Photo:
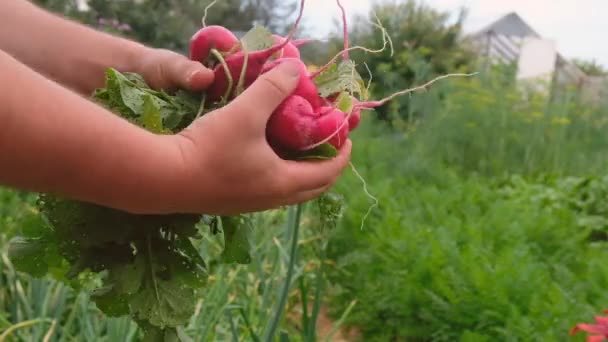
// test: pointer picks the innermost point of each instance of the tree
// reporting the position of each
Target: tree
(591, 68)
(170, 23)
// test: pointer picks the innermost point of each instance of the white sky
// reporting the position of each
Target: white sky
(579, 27)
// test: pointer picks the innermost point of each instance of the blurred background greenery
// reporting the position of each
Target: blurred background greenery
(492, 221)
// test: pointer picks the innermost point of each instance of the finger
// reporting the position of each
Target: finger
(257, 103)
(306, 196)
(306, 175)
(299, 197)
(274, 203)
(187, 74)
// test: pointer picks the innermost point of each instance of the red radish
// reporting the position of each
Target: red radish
(211, 37)
(289, 51)
(306, 87)
(328, 124)
(252, 63)
(301, 42)
(293, 124)
(354, 119)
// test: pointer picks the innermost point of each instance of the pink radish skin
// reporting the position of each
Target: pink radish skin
(354, 119)
(235, 63)
(328, 124)
(355, 115)
(293, 124)
(211, 37)
(289, 51)
(255, 64)
(306, 87)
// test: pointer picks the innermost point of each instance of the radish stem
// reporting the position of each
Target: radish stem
(345, 28)
(220, 58)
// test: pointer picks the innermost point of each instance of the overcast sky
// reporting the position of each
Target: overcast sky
(579, 27)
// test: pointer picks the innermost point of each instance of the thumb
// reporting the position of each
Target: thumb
(257, 103)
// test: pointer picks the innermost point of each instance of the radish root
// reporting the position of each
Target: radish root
(241, 83)
(204, 20)
(367, 193)
(201, 108)
(373, 104)
(386, 40)
(221, 60)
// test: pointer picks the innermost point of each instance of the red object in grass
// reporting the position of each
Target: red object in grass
(600, 329)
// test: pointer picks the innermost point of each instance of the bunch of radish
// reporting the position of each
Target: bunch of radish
(305, 119)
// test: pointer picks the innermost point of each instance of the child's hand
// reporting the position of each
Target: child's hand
(228, 166)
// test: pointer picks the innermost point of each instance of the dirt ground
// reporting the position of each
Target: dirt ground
(325, 325)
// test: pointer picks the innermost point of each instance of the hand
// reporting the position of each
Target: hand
(165, 69)
(230, 168)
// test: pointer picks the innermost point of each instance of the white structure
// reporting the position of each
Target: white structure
(537, 59)
(511, 40)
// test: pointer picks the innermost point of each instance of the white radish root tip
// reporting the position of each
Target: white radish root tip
(386, 40)
(204, 20)
(424, 87)
(367, 193)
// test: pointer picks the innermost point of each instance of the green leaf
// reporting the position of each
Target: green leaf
(258, 38)
(151, 118)
(129, 96)
(236, 240)
(325, 151)
(84, 224)
(127, 278)
(344, 102)
(137, 79)
(331, 208)
(125, 94)
(340, 78)
(110, 302)
(28, 255)
(163, 303)
(33, 225)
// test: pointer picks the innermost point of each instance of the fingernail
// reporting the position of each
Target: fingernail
(190, 77)
(192, 74)
(290, 68)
